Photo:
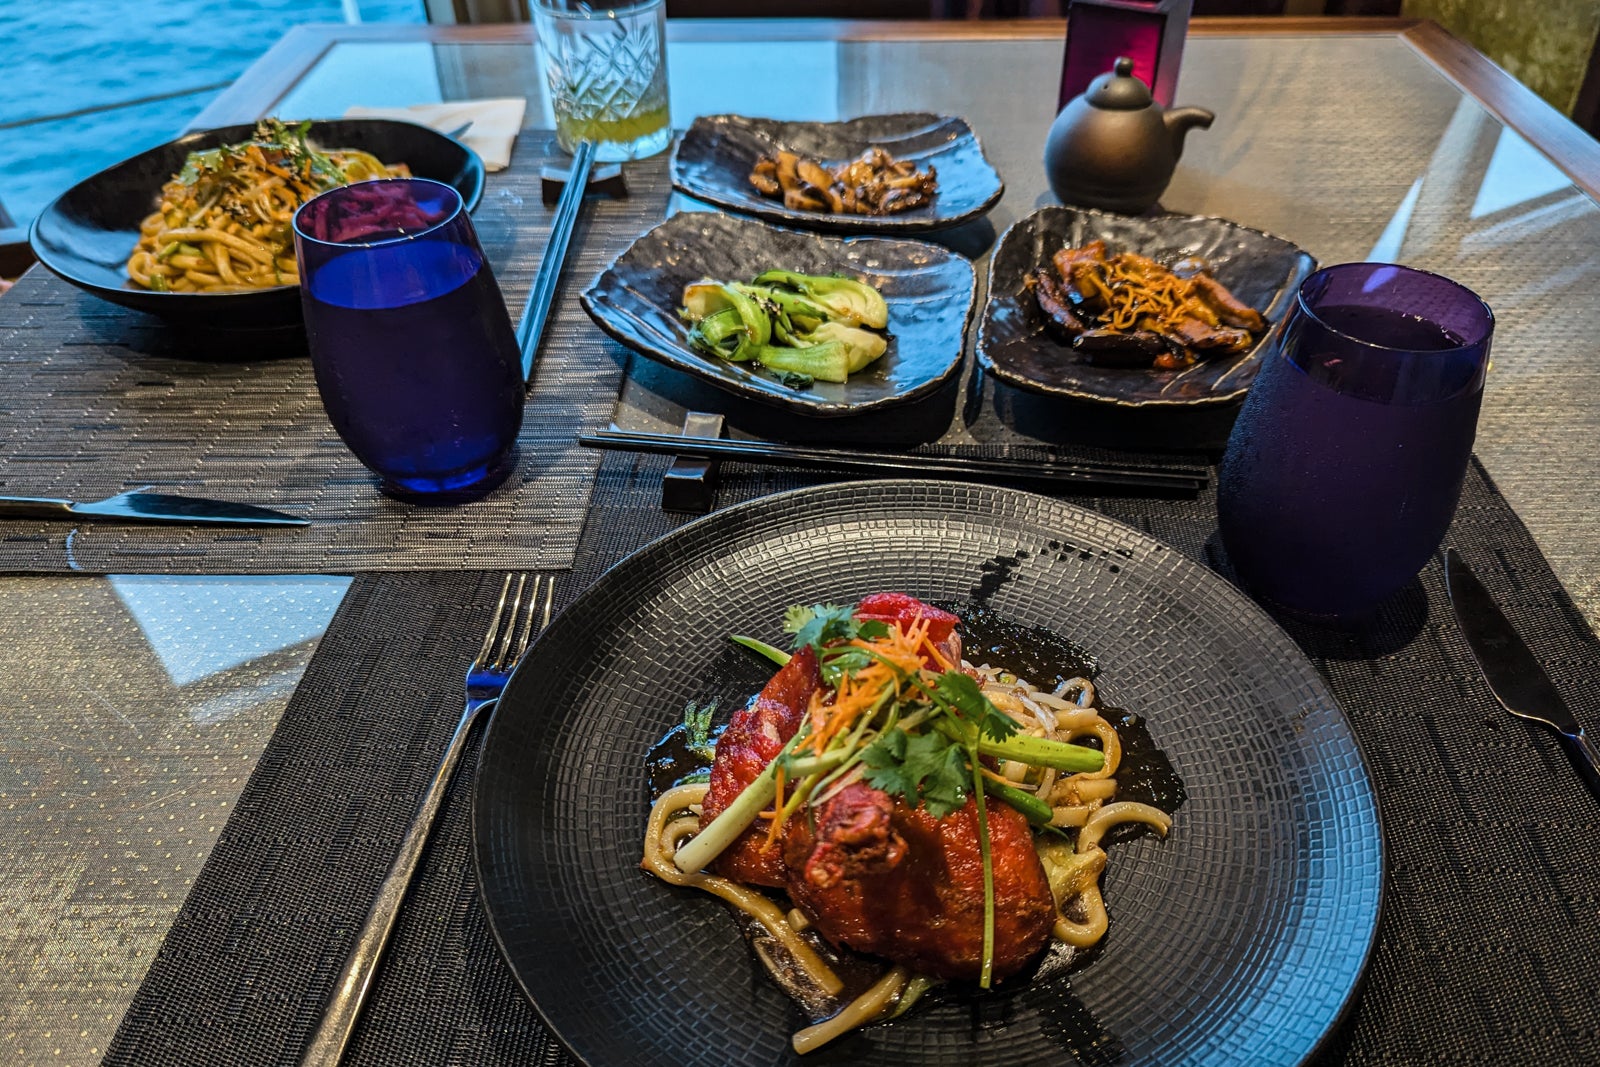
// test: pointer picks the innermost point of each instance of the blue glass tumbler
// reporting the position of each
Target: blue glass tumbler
(414, 353)
(1345, 465)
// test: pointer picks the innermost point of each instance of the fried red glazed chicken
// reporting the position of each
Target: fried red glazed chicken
(884, 878)
(873, 873)
(754, 736)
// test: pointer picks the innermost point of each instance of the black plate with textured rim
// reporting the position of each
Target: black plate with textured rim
(86, 234)
(929, 291)
(713, 159)
(1262, 270)
(1236, 940)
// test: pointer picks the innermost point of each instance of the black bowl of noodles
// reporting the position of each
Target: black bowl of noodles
(87, 234)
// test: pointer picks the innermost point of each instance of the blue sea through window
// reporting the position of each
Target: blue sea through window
(91, 82)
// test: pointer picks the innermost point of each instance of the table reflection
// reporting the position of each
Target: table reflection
(136, 709)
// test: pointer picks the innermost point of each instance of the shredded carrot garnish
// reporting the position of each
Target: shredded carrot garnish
(817, 712)
(900, 652)
(777, 807)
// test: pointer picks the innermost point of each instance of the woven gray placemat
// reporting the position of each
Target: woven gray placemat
(100, 400)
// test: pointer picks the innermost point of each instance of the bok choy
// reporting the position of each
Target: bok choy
(804, 327)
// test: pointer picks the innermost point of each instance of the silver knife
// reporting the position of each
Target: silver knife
(147, 507)
(1514, 676)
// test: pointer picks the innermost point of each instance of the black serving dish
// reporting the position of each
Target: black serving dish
(1238, 939)
(929, 291)
(1261, 270)
(714, 157)
(87, 233)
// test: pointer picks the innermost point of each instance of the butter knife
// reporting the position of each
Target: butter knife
(1514, 676)
(147, 507)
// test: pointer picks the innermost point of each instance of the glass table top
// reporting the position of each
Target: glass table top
(144, 702)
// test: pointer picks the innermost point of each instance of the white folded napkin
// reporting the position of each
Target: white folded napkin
(495, 123)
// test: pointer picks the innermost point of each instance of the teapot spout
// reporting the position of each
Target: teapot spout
(1180, 120)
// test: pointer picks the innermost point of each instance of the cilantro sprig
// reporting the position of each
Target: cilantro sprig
(819, 624)
(935, 766)
(927, 769)
(829, 629)
(961, 693)
(697, 729)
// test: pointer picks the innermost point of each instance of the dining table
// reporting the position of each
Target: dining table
(214, 741)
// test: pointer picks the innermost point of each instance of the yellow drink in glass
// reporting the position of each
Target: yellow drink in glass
(606, 69)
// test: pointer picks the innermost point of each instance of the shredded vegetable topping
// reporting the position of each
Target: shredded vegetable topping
(1125, 309)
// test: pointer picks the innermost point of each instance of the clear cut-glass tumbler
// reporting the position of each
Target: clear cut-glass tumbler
(411, 344)
(1345, 465)
(605, 65)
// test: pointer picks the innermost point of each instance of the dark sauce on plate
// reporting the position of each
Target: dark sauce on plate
(1046, 659)
(673, 761)
(1040, 656)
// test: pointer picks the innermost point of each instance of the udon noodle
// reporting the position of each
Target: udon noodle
(1084, 801)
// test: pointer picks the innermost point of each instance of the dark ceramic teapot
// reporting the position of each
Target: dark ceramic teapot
(1114, 147)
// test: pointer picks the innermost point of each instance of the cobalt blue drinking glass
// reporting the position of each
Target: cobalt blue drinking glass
(413, 351)
(1346, 462)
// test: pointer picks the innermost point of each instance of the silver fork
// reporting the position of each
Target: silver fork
(522, 616)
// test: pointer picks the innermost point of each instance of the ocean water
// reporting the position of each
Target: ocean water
(62, 56)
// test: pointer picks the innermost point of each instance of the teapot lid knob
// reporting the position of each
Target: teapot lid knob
(1119, 90)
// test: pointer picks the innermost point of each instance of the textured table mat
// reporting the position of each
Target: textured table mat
(1485, 950)
(100, 400)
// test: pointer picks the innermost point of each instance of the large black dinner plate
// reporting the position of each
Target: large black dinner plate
(86, 234)
(1236, 940)
(714, 157)
(929, 291)
(1262, 270)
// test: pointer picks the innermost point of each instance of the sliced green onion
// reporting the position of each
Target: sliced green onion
(805, 766)
(1031, 807)
(714, 839)
(1043, 752)
(986, 976)
(776, 655)
(918, 985)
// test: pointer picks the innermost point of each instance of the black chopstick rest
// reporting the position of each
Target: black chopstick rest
(690, 484)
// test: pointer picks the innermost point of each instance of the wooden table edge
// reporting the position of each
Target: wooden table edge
(1516, 106)
(1577, 154)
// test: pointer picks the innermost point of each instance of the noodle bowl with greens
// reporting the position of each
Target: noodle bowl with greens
(224, 223)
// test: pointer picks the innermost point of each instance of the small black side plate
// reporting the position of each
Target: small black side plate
(714, 157)
(929, 291)
(1262, 270)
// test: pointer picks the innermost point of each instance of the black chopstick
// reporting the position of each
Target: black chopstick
(530, 328)
(1054, 473)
